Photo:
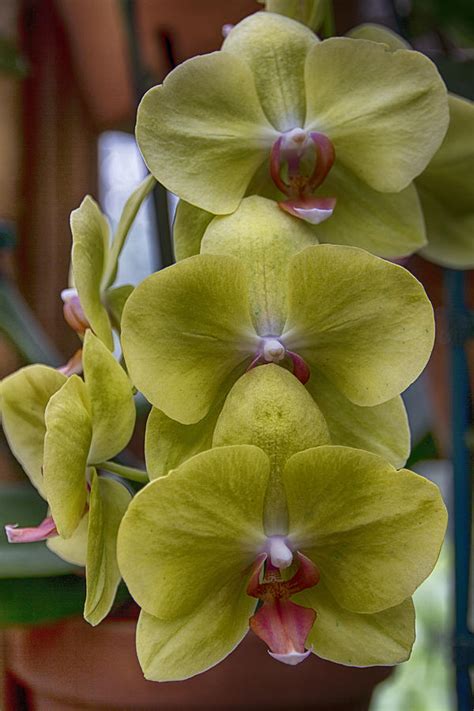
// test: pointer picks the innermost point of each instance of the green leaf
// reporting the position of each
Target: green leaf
(24, 397)
(91, 235)
(66, 448)
(188, 534)
(189, 225)
(349, 638)
(22, 505)
(172, 650)
(203, 133)
(108, 503)
(382, 429)
(127, 217)
(268, 407)
(365, 323)
(275, 49)
(184, 330)
(111, 401)
(263, 238)
(374, 533)
(39, 600)
(385, 112)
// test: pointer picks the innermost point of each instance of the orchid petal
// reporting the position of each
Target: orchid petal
(73, 549)
(275, 49)
(184, 330)
(24, 397)
(66, 447)
(172, 650)
(375, 540)
(91, 236)
(378, 33)
(195, 530)
(365, 323)
(189, 225)
(111, 401)
(385, 112)
(263, 238)
(382, 429)
(203, 133)
(269, 408)
(108, 503)
(350, 638)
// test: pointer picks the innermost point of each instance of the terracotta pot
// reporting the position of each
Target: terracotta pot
(71, 666)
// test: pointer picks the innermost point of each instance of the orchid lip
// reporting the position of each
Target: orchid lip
(46, 529)
(291, 658)
(272, 350)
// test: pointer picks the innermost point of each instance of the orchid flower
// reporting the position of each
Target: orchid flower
(59, 428)
(92, 302)
(446, 186)
(339, 126)
(195, 553)
(189, 331)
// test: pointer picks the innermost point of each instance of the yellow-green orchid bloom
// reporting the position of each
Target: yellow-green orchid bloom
(446, 186)
(189, 331)
(59, 428)
(195, 553)
(92, 302)
(278, 113)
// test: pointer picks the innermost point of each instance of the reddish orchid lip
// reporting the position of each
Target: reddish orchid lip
(300, 367)
(283, 625)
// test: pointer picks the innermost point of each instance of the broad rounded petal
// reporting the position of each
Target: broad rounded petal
(387, 224)
(189, 225)
(374, 533)
(24, 396)
(353, 639)
(262, 237)
(184, 330)
(382, 429)
(203, 133)
(188, 534)
(378, 33)
(168, 443)
(365, 323)
(66, 447)
(385, 112)
(447, 192)
(111, 400)
(268, 407)
(275, 48)
(172, 650)
(107, 505)
(73, 549)
(90, 245)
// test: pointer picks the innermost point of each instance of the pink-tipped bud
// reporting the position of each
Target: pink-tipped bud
(46, 529)
(73, 312)
(73, 366)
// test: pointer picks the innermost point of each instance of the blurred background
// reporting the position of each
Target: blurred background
(71, 75)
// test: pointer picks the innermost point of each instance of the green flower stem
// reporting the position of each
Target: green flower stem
(130, 473)
(329, 22)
